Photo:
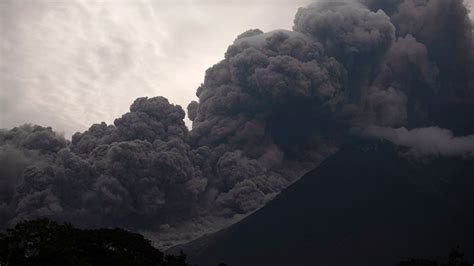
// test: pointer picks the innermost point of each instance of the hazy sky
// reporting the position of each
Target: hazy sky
(71, 63)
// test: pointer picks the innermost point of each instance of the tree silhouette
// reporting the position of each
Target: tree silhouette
(44, 242)
(456, 258)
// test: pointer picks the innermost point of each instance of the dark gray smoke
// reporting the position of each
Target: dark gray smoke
(278, 104)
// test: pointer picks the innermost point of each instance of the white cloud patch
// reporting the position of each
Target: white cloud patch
(470, 6)
(426, 141)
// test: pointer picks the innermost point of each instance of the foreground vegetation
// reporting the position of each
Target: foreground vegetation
(456, 258)
(44, 242)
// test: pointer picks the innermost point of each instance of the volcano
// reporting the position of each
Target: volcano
(368, 204)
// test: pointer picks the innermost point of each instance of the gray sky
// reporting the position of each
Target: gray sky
(71, 63)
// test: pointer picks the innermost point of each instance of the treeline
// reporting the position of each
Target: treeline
(44, 242)
(455, 258)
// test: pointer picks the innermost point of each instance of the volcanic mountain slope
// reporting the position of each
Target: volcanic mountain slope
(365, 205)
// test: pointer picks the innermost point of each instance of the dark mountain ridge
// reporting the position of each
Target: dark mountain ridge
(366, 205)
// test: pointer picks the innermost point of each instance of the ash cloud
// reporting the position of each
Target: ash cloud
(277, 105)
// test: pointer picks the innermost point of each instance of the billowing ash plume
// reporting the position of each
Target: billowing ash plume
(278, 104)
